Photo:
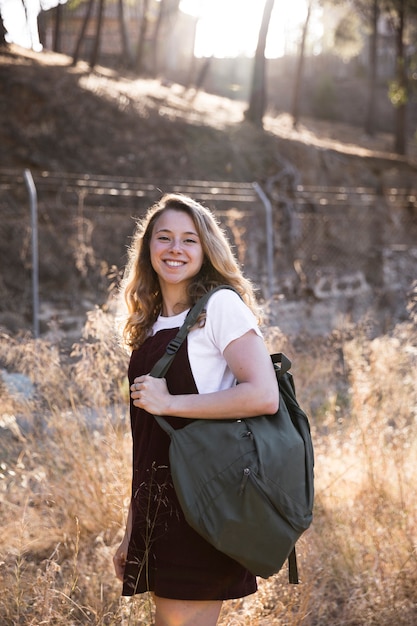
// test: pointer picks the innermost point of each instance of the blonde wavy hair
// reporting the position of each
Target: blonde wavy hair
(140, 287)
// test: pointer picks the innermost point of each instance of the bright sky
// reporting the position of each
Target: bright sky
(228, 28)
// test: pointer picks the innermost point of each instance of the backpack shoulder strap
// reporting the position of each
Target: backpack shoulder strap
(293, 568)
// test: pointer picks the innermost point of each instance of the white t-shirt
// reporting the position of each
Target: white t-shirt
(228, 318)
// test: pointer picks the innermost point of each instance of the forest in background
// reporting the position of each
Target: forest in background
(370, 40)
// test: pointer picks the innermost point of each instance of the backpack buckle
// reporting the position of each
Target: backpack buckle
(173, 346)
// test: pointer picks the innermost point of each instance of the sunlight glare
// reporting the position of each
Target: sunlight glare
(21, 20)
(229, 28)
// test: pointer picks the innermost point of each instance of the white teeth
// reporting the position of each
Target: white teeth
(174, 263)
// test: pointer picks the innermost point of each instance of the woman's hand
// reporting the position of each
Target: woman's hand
(119, 559)
(151, 394)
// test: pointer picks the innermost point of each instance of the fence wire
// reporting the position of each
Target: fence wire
(324, 238)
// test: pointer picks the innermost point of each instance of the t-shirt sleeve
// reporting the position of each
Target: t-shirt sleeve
(228, 318)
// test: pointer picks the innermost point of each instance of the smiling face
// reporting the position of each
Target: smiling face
(175, 249)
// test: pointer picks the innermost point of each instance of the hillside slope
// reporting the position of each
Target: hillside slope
(59, 118)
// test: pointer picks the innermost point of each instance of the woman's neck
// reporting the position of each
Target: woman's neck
(174, 302)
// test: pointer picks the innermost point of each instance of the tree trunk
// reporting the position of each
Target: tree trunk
(300, 67)
(97, 40)
(140, 55)
(126, 52)
(168, 10)
(373, 71)
(202, 74)
(3, 32)
(257, 101)
(159, 21)
(400, 145)
(80, 39)
(56, 43)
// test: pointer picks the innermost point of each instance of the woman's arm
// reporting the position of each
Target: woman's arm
(256, 393)
(119, 559)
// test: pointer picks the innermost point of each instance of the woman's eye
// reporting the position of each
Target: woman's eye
(190, 240)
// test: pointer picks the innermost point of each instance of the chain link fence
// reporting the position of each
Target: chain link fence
(326, 242)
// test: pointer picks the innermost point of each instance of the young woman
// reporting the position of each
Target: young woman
(178, 253)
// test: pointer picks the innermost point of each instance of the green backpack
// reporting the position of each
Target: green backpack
(245, 485)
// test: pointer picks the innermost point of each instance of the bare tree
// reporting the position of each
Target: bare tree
(300, 66)
(143, 30)
(56, 42)
(168, 10)
(399, 11)
(257, 100)
(371, 114)
(83, 30)
(3, 32)
(126, 52)
(97, 38)
(399, 89)
(369, 11)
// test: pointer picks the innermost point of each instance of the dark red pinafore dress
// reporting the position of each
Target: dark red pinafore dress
(165, 554)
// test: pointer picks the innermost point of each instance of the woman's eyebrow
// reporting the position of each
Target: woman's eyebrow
(167, 230)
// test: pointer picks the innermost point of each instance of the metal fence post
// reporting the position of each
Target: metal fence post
(35, 258)
(269, 236)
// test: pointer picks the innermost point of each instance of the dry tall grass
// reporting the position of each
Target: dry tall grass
(65, 473)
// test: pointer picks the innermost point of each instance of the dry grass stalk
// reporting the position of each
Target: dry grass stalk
(65, 474)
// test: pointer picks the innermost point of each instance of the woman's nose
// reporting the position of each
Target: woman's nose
(176, 245)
